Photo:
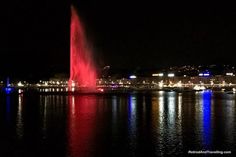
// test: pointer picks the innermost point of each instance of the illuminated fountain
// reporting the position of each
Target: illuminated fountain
(82, 69)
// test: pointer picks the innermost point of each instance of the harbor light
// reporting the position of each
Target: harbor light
(132, 77)
(20, 91)
(159, 74)
(73, 84)
(160, 84)
(179, 84)
(212, 83)
(171, 75)
(197, 87)
(229, 74)
(45, 84)
(204, 74)
(19, 84)
(201, 74)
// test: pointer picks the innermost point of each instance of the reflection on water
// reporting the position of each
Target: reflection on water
(206, 119)
(170, 124)
(229, 112)
(19, 118)
(171, 102)
(81, 125)
(132, 124)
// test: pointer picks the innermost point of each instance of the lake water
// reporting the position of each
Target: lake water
(116, 125)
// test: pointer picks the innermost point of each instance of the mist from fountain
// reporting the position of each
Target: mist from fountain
(82, 68)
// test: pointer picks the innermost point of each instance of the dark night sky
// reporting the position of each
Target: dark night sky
(122, 34)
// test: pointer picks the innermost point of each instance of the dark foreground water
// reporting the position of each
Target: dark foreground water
(116, 125)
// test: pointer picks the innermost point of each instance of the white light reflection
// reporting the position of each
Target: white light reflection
(171, 107)
(180, 106)
(179, 131)
(230, 120)
(73, 105)
(197, 116)
(19, 120)
(20, 91)
(45, 115)
(159, 125)
(161, 107)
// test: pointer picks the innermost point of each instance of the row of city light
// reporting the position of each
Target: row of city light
(163, 83)
(53, 90)
(206, 74)
(162, 74)
(154, 75)
(229, 74)
(119, 82)
(196, 87)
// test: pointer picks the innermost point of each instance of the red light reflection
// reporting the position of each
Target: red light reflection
(82, 126)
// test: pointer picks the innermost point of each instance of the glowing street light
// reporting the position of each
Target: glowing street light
(171, 75)
(179, 84)
(204, 74)
(160, 84)
(19, 84)
(73, 84)
(229, 74)
(159, 74)
(132, 77)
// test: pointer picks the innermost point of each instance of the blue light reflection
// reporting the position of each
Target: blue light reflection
(206, 107)
(8, 90)
(132, 126)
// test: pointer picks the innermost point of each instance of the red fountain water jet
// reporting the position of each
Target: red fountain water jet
(82, 69)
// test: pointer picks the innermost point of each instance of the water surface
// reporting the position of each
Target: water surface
(130, 124)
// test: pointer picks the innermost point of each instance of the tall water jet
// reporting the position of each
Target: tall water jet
(82, 69)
